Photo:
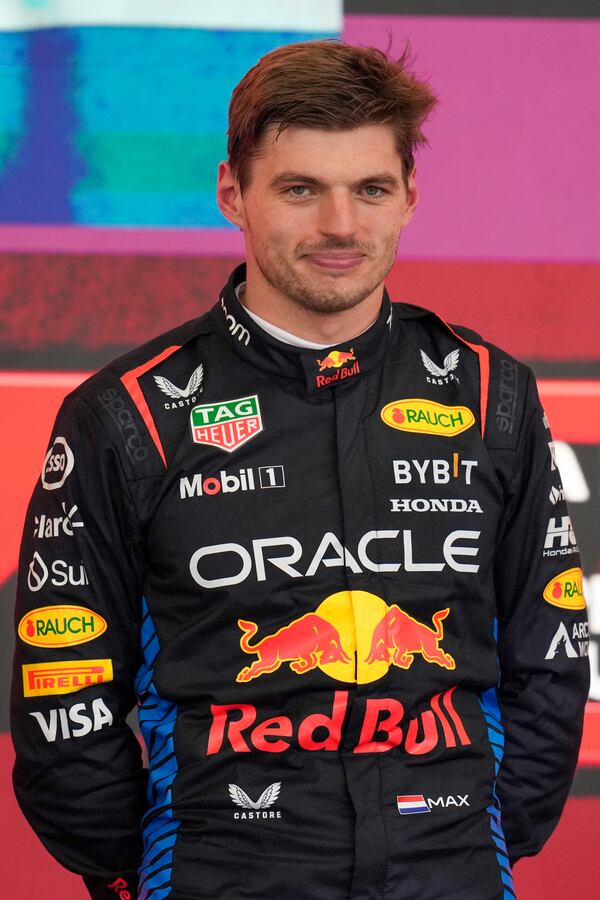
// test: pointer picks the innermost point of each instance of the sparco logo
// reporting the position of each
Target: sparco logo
(507, 396)
(121, 415)
(243, 480)
(207, 562)
(257, 808)
(235, 328)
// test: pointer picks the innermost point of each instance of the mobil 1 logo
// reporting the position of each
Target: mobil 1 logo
(248, 479)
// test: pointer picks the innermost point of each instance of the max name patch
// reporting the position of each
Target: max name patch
(427, 417)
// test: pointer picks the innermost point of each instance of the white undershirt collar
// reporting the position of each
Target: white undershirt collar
(285, 336)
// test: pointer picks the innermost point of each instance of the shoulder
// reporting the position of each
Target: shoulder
(114, 398)
(145, 357)
(508, 385)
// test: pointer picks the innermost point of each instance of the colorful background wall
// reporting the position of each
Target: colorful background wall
(112, 122)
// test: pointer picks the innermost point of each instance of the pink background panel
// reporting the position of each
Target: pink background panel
(512, 170)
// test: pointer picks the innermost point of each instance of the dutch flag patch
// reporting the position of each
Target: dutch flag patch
(409, 804)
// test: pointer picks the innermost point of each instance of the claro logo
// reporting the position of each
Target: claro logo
(427, 417)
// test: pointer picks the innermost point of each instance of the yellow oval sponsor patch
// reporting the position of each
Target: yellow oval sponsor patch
(427, 417)
(60, 626)
(566, 590)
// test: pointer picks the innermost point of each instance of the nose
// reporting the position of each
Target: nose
(338, 214)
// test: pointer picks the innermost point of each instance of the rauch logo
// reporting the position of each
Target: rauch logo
(427, 417)
(566, 590)
(60, 626)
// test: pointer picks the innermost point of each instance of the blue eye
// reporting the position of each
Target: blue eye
(371, 190)
(297, 190)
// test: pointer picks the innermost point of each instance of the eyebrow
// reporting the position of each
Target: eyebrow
(295, 177)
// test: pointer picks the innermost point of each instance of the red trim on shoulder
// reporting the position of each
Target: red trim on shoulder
(130, 382)
(484, 372)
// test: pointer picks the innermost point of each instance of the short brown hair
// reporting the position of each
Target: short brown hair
(326, 84)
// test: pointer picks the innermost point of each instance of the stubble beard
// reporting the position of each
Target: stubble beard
(326, 293)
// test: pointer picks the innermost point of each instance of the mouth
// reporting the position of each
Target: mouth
(336, 261)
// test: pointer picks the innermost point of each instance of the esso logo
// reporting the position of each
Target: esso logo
(58, 465)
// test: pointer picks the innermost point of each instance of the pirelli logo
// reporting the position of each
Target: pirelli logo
(41, 679)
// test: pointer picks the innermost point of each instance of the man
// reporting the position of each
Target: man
(312, 531)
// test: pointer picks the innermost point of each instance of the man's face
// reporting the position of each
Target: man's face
(322, 213)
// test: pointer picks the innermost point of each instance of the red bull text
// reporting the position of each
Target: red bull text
(236, 727)
(338, 360)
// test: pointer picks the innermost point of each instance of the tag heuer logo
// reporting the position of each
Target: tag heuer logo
(226, 424)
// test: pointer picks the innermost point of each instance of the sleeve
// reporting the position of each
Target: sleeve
(78, 775)
(542, 641)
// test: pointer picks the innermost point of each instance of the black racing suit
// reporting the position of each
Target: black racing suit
(345, 589)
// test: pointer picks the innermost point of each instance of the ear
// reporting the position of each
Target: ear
(412, 197)
(229, 196)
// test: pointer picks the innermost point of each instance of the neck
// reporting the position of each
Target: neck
(325, 328)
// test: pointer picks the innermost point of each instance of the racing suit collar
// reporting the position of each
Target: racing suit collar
(318, 369)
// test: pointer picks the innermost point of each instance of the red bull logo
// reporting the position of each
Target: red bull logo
(384, 726)
(398, 637)
(306, 643)
(352, 636)
(337, 359)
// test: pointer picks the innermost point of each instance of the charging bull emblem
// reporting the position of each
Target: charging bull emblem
(398, 637)
(335, 359)
(305, 644)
